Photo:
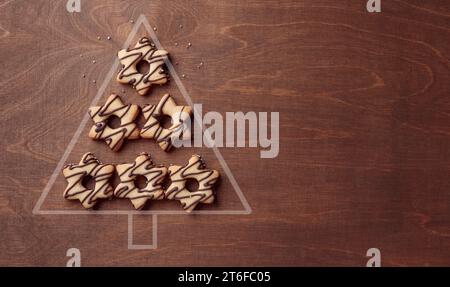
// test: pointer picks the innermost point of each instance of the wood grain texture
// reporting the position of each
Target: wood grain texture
(364, 130)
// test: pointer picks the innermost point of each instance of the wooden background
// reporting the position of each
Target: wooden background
(364, 130)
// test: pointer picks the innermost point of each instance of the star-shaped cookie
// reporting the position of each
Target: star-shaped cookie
(114, 137)
(128, 173)
(152, 128)
(195, 169)
(100, 173)
(145, 51)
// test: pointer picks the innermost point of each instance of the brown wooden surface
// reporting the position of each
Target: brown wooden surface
(364, 123)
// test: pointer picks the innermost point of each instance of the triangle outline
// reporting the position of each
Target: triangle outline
(142, 20)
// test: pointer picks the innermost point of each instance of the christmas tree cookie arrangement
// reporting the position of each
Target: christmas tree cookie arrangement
(90, 167)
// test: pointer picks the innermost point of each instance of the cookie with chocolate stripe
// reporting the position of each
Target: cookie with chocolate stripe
(89, 166)
(128, 173)
(195, 169)
(114, 137)
(143, 51)
(154, 130)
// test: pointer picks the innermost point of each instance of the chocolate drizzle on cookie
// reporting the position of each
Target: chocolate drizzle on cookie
(114, 137)
(127, 187)
(146, 51)
(195, 169)
(89, 166)
(152, 128)
(100, 126)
